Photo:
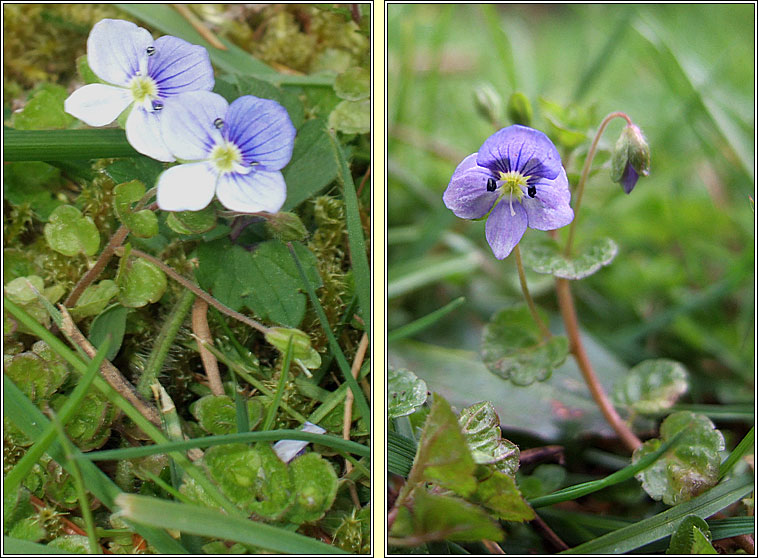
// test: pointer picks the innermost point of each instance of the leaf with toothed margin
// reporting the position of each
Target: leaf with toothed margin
(405, 392)
(651, 386)
(544, 255)
(481, 427)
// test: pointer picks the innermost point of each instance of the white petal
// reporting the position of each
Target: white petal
(286, 450)
(143, 132)
(98, 104)
(250, 193)
(187, 187)
(117, 49)
(188, 123)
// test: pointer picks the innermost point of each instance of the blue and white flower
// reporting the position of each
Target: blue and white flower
(141, 73)
(233, 151)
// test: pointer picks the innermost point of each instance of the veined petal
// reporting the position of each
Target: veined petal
(503, 230)
(522, 149)
(467, 194)
(258, 191)
(549, 209)
(143, 132)
(188, 187)
(115, 49)
(262, 130)
(178, 66)
(98, 104)
(187, 124)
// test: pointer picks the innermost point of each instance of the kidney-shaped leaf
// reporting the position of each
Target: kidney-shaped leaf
(651, 386)
(546, 256)
(70, 233)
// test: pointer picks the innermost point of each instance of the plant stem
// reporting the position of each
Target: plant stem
(568, 311)
(163, 342)
(203, 331)
(586, 173)
(529, 301)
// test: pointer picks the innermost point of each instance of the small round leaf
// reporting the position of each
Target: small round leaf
(69, 233)
(545, 256)
(651, 386)
(315, 484)
(140, 284)
(405, 392)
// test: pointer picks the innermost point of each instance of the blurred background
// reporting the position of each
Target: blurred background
(682, 284)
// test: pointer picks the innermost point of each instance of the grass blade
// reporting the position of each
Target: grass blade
(421, 324)
(65, 145)
(742, 449)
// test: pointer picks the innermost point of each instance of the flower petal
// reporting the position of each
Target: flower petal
(467, 194)
(258, 191)
(187, 187)
(178, 66)
(187, 124)
(98, 104)
(115, 49)
(143, 132)
(262, 130)
(503, 230)
(549, 209)
(522, 149)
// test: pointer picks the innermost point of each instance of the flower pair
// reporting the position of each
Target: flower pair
(235, 151)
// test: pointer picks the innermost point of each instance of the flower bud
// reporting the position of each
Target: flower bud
(520, 109)
(488, 102)
(631, 158)
(286, 227)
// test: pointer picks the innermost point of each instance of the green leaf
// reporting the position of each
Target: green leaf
(315, 484)
(651, 386)
(94, 299)
(143, 223)
(567, 125)
(69, 233)
(44, 110)
(498, 492)
(690, 467)
(544, 255)
(443, 456)
(351, 117)
(139, 283)
(513, 347)
(32, 374)
(192, 222)
(312, 167)
(481, 427)
(32, 182)
(691, 537)
(111, 321)
(89, 427)
(279, 337)
(353, 84)
(144, 169)
(405, 392)
(266, 280)
(286, 227)
(21, 290)
(545, 478)
(217, 415)
(438, 517)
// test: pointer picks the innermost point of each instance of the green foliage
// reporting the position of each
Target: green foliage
(69, 233)
(513, 347)
(315, 484)
(652, 386)
(691, 537)
(38, 373)
(286, 226)
(690, 467)
(94, 299)
(351, 117)
(192, 222)
(498, 492)
(405, 392)
(142, 223)
(90, 427)
(139, 282)
(33, 183)
(110, 322)
(44, 110)
(216, 414)
(481, 427)
(280, 337)
(546, 256)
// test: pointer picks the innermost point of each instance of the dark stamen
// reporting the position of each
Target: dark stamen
(531, 191)
(150, 50)
(218, 123)
(491, 185)
(157, 105)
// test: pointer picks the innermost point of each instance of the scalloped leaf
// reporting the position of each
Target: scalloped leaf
(143, 223)
(352, 117)
(692, 536)
(90, 426)
(513, 348)
(405, 392)
(139, 283)
(498, 492)
(216, 414)
(689, 468)
(353, 84)
(69, 233)
(544, 255)
(481, 427)
(652, 386)
(315, 484)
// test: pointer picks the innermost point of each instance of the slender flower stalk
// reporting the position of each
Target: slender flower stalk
(529, 301)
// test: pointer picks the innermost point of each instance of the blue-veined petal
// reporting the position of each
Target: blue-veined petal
(467, 194)
(178, 66)
(262, 130)
(98, 104)
(258, 191)
(143, 132)
(549, 209)
(503, 230)
(187, 124)
(522, 149)
(116, 49)
(187, 187)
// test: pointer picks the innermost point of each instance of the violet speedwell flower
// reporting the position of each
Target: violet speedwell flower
(235, 151)
(139, 72)
(515, 179)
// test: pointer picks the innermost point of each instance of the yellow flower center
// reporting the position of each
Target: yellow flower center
(143, 89)
(512, 184)
(226, 156)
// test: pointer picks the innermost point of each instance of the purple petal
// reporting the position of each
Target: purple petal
(549, 209)
(98, 104)
(249, 193)
(143, 132)
(262, 130)
(178, 66)
(187, 124)
(467, 194)
(115, 49)
(287, 450)
(187, 187)
(629, 178)
(522, 149)
(503, 230)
